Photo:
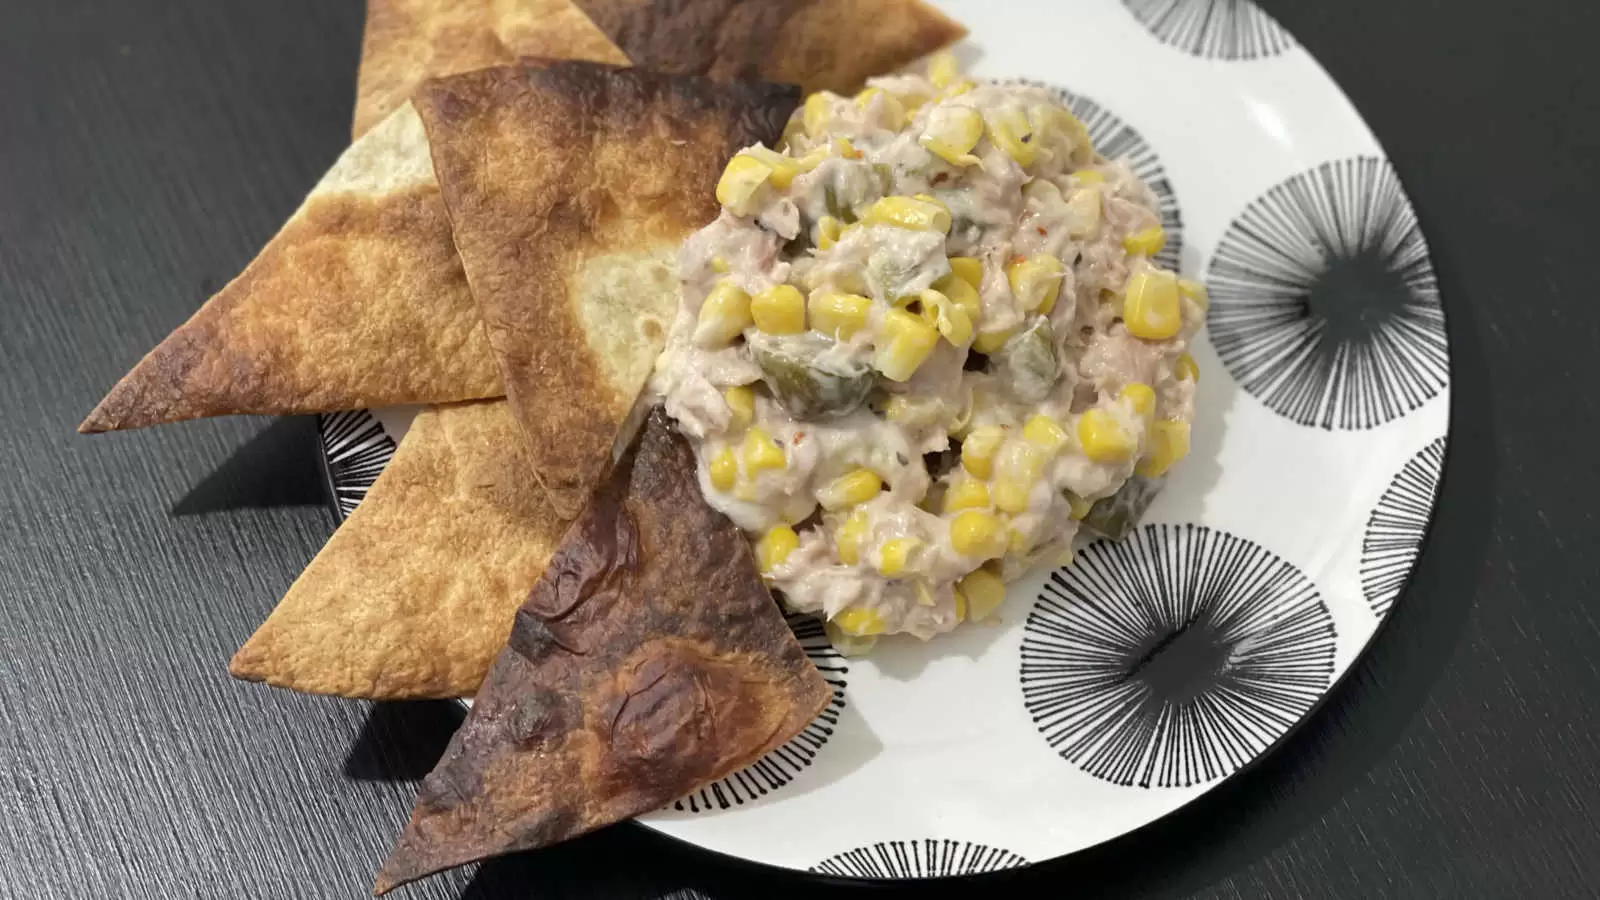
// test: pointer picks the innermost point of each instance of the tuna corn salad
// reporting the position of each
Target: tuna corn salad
(923, 344)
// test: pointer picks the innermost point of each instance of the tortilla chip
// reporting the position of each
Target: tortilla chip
(649, 661)
(819, 44)
(570, 189)
(414, 594)
(408, 41)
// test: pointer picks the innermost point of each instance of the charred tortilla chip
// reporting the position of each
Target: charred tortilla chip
(570, 188)
(819, 44)
(648, 661)
(408, 41)
(414, 594)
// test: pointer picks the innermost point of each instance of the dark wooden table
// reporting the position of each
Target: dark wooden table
(149, 147)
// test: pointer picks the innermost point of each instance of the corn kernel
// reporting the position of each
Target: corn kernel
(859, 622)
(924, 591)
(894, 111)
(977, 533)
(719, 265)
(1169, 442)
(816, 112)
(896, 553)
(775, 547)
(1083, 212)
(968, 269)
(979, 448)
(759, 451)
(1140, 397)
(903, 344)
(943, 69)
(779, 310)
(849, 489)
(724, 469)
(909, 212)
(1011, 496)
(741, 402)
(724, 314)
(1103, 439)
(984, 590)
(961, 294)
(845, 149)
(1020, 461)
(1089, 176)
(1186, 369)
(961, 605)
(946, 316)
(828, 231)
(784, 168)
(1147, 242)
(740, 183)
(1017, 543)
(1196, 292)
(952, 132)
(1045, 433)
(1009, 130)
(990, 341)
(839, 315)
(959, 87)
(1077, 507)
(1036, 281)
(850, 535)
(1150, 308)
(966, 493)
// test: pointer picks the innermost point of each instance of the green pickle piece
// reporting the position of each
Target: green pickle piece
(808, 383)
(1116, 516)
(1028, 360)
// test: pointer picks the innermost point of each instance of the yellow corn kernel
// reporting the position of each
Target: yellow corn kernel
(839, 315)
(924, 591)
(724, 469)
(1147, 242)
(775, 547)
(1036, 281)
(859, 622)
(784, 168)
(850, 535)
(896, 553)
(990, 341)
(779, 310)
(952, 132)
(977, 533)
(893, 110)
(816, 112)
(1017, 543)
(759, 451)
(909, 212)
(1009, 130)
(1045, 433)
(741, 402)
(1169, 442)
(984, 590)
(845, 149)
(1089, 176)
(1020, 461)
(959, 87)
(1196, 292)
(828, 231)
(1103, 438)
(1077, 507)
(946, 316)
(904, 342)
(961, 605)
(724, 314)
(1150, 309)
(943, 69)
(849, 489)
(1186, 369)
(1083, 212)
(1011, 496)
(719, 265)
(979, 448)
(961, 294)
(740, 182)
(1140, 397)
(968, 269)
(966, 493)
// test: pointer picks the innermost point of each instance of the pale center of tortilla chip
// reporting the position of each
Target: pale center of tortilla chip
(626, 302)
(391, 157)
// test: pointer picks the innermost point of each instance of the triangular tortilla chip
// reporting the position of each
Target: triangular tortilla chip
(414, 594)
(407, 41)
(570, 189)
(819, 44)
(649, 661)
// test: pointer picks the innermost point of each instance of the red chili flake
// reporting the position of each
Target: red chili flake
(798, 437)
(1017, 259)
(1040, 229)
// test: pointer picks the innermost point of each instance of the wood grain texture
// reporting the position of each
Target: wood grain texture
(147, 149)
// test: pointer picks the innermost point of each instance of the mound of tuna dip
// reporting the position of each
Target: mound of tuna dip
(922, 344)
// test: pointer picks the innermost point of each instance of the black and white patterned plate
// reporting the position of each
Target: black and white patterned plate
(1122, 687)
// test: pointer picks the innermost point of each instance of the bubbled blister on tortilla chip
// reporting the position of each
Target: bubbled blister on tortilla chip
(648, 661)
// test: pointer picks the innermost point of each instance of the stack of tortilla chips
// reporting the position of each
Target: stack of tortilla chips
(498, 243)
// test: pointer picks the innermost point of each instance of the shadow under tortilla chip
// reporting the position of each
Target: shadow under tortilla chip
(571, 187)
(414, 594)
(648, 661)
(819, 44)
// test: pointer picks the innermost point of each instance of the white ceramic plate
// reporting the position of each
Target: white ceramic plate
(1122, 687)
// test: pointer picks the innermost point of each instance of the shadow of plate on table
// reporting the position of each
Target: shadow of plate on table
(278, 466)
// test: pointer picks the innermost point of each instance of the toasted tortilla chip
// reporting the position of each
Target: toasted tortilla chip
(819, 44)
(570, 189)
(649, 661)
(415, 593)
(408, 41)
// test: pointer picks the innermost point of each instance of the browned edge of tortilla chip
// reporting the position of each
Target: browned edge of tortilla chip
(818, 44)
(649, 661)
(570, 188)
(414, 594)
